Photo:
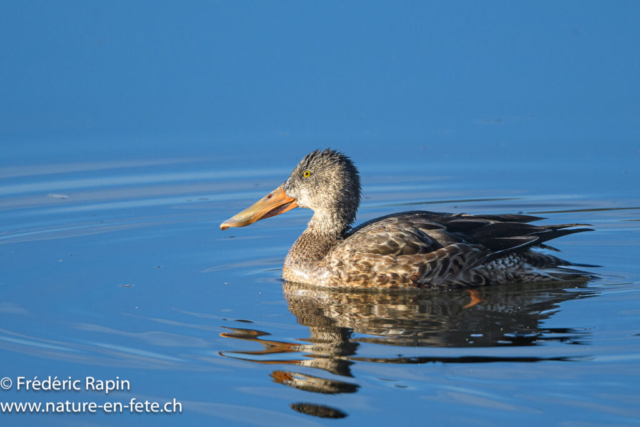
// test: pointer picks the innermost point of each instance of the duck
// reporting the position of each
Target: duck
(406, 250)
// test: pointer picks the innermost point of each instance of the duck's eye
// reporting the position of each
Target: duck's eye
(306, 174)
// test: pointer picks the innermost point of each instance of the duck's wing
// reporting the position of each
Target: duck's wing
(416, 248)
(498, 233)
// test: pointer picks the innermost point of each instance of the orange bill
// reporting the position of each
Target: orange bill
(272, 204)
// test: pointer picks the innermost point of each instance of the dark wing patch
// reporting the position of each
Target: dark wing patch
(418, 232)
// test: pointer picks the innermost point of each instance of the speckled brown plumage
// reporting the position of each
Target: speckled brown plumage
(412, 249)
(427, 249)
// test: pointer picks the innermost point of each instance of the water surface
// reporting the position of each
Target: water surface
(118, 268)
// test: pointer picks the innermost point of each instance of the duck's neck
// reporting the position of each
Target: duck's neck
(329, 223)
(322, 234)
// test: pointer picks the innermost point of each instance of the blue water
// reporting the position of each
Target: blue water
(129, 132)
(117, 269)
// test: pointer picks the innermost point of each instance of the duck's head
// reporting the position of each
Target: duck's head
(326, 182)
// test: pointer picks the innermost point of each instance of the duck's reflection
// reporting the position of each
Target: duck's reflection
(480, 317)
(311, 383)
(340, 322)
(321, 411)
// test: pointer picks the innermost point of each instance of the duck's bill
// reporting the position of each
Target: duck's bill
(272, 204)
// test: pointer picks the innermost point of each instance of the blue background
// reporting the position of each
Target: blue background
(510, 80)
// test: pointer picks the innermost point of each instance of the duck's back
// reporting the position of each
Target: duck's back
(429, 249)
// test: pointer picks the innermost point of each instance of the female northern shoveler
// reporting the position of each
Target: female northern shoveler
(411, 249)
